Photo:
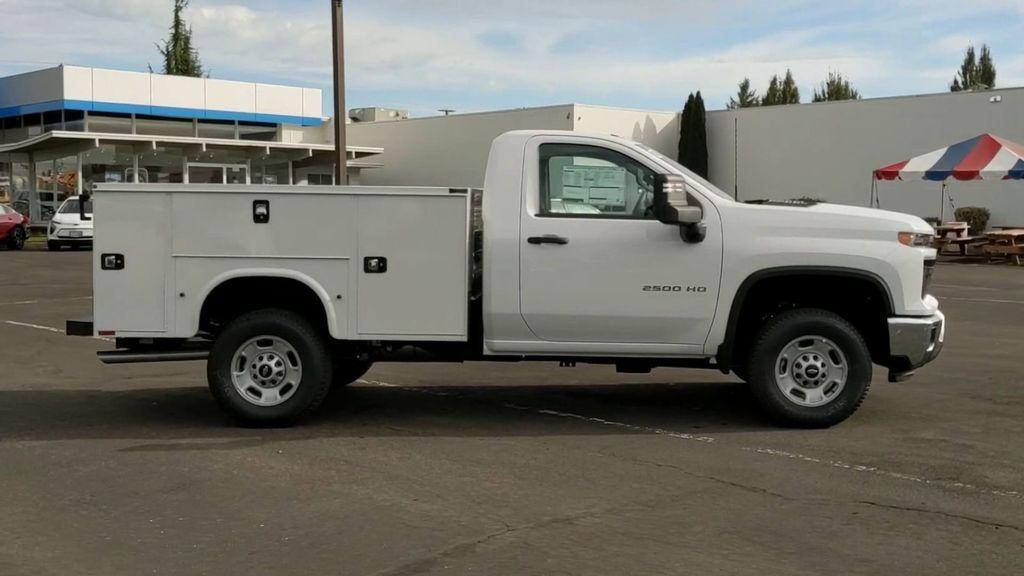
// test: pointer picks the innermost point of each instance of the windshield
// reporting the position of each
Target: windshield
(684, 170)
(71, 207)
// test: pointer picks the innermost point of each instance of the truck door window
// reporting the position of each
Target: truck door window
(589, 181)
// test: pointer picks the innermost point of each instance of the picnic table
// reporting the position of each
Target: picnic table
(956, 234)
(1008, 243)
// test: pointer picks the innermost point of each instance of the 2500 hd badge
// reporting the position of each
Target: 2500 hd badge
(689, 289)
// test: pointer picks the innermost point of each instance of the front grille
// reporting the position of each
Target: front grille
(929, 271)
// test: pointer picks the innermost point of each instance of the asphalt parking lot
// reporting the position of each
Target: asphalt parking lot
(498, 469)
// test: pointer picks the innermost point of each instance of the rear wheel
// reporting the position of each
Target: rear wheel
(269, 368)
(809, 368)
(17, 239)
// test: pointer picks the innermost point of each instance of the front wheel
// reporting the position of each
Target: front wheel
(17, 239)
(269, 368)
(53, 246)
(809, 368)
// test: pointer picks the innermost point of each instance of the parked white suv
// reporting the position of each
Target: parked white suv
(67, 228)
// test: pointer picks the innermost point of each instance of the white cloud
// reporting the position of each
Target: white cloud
(630, 50)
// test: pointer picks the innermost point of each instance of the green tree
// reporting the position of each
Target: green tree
(180, 57)
(781, 91)
(773, 96)
(836, 88)
(745, 98)
(693, 136)
(790, 92)
(976, 73)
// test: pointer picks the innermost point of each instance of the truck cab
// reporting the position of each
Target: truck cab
(579, 248)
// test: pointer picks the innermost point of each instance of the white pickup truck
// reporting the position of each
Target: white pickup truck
(580, 249)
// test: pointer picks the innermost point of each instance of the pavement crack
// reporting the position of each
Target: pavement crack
(941, 513)
(427, 563)
(715, 479)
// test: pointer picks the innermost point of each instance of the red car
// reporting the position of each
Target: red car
(13, 228)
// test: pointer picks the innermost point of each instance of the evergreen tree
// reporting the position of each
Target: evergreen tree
(773, 96)
(784, 91)
(975, 73)
(836, 88)
(693, 137)
(790, 91)
(986, 68)
(180, 56)
(745, 98)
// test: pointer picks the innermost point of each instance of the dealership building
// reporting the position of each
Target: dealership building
(66, 128)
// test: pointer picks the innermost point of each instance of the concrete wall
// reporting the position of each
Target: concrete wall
(659, 130)
(446, 151)
(30, 88)
(830, 150)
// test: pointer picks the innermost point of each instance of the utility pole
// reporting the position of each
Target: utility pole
(340, 114)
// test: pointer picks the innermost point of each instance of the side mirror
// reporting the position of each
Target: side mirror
(671, 206)
(83, 199)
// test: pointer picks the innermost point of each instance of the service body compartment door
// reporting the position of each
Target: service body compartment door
(135, 225)
(413, 267)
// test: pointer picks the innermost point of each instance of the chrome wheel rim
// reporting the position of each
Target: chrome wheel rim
(811, 371)
(266, 371)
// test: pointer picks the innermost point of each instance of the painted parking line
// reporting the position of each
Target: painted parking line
(50, 329)
(709, 440)
(45, 301)
(981, 300)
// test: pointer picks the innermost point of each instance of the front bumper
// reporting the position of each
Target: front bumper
(914, 342)
(60, 233)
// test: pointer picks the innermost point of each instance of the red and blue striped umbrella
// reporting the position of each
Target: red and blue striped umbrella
(986, 157)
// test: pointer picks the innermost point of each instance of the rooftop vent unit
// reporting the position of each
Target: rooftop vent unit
(377, 114)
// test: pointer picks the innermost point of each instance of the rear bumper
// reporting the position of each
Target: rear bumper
(914, 342)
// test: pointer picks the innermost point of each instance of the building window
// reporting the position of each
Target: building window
(108, 123)
(257, 131)
(162, 166)
(5, 179)
(108, 163)
(320, 179)
(220, 129)
(53, 120)
(74, 120)
(153, 126)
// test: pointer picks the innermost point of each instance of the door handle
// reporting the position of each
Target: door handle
(549, 239)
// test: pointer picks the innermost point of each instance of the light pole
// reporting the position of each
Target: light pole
(340, 114)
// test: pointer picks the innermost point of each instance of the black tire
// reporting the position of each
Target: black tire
(347, 371)
(313, 354)
(51, 245)
(17, 239)
(787, 328)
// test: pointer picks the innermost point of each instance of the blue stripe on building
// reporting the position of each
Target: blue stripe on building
(162, 111)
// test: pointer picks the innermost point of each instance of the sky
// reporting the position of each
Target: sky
(425, 55)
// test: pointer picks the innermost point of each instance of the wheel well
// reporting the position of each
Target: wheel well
(241, 295)
(861, 300)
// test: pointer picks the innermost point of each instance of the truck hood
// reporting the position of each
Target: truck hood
(833, 219)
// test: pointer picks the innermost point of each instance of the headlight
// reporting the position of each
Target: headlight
(916, 240)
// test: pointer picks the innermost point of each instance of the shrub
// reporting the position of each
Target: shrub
(976, 217)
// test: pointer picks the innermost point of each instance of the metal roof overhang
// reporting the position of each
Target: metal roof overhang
(74, 142)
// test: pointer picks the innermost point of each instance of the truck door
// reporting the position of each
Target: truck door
(596, 266)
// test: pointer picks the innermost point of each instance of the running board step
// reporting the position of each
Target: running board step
(141, 357)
